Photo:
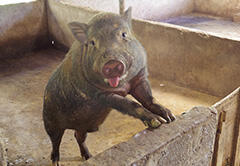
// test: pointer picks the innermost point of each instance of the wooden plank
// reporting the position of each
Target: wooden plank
(217, 153)
(227, 137)
(237, 137)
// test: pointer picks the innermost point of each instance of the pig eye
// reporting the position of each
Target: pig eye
(124, 34)
(92, 43)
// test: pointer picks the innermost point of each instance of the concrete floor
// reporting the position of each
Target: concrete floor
(22, 84)
(220, 26)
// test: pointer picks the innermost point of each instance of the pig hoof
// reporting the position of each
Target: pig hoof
(55, 163)
(87, 156)
(145, 123)
(154, 123)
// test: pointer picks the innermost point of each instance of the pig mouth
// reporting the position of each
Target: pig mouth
(113, 71)
(113, 82)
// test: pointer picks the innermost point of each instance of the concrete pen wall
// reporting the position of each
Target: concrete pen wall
(23, 28)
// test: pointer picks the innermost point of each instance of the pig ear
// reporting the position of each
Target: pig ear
(127, 15)
(79, 31)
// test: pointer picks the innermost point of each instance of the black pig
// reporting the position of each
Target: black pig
(104, 64)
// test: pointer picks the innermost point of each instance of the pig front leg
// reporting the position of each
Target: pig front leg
(127, 106)
(141, 91)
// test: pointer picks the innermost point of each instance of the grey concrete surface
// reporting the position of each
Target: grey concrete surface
(187, 141)
(224, 8)
(216, 25)
(3, 150)
(142, 9)
(158, 10)
(23, 28)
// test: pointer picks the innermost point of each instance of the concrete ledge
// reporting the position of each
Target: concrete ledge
(224, 8)
(187, 141)
(3, 155)
(236, 17)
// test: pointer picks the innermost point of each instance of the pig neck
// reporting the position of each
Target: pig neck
(68, 71)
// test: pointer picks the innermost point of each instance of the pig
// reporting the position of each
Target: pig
(105, 63)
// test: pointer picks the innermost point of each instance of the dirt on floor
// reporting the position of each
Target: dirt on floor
(22, 83)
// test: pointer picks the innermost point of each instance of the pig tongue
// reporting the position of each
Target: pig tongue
(114, 81)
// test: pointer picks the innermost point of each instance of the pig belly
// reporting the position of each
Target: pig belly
(86, 119)
(98, 120)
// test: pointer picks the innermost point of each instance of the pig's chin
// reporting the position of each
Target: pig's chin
(113, 82)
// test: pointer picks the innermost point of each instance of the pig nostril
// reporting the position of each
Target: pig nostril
(107, 71)
(120, 67)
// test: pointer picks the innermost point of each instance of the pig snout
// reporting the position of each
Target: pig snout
(112, 71)
(113, 68)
